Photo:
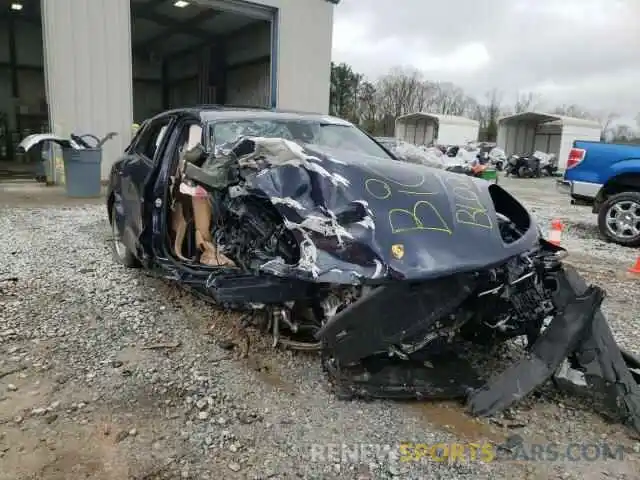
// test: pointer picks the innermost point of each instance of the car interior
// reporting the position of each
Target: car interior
(191, 212)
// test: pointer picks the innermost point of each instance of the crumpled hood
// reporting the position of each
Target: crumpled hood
(365, 218)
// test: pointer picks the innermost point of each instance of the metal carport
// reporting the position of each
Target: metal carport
(423, 128)
(526, 132)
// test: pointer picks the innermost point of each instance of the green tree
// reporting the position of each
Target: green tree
(494, 100)
(344, 91)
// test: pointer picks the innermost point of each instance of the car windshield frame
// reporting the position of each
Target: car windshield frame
(280, 128)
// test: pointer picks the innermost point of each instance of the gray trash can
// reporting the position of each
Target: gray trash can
(82, 171)
(82, 165)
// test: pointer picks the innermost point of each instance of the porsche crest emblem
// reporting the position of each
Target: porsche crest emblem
(397, 250)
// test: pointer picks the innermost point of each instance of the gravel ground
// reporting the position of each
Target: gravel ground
(107, 373)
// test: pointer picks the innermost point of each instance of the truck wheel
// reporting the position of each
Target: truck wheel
(619, 219)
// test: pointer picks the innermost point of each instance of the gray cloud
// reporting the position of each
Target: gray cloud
(571, 51)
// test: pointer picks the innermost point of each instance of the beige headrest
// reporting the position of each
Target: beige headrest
(195, 136)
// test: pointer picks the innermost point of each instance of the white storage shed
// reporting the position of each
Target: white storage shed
(424, 128)
(524, 133)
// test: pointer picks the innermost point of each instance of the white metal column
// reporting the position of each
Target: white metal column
(87, 53)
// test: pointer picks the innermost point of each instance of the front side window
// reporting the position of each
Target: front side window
(223, 134)
(151, 138)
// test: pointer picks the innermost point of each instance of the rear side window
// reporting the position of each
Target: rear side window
(150, 138)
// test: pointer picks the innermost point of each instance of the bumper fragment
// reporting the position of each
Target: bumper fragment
(579, 353)
(564, 334)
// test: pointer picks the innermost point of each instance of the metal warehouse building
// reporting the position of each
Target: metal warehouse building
(95, 66)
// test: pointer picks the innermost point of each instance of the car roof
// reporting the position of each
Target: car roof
(212, 113)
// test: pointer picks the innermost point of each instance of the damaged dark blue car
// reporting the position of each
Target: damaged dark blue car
(391, 270)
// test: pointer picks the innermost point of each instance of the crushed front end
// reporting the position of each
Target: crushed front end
(401, 274)
(413, 340)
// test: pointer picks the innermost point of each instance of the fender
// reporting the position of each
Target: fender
(628, 165)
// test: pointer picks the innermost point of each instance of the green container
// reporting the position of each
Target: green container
(490, 174)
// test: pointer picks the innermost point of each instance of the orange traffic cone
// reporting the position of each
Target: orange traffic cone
(556, 232)
(636, 266)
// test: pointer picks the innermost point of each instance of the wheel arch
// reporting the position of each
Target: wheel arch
(624, 182)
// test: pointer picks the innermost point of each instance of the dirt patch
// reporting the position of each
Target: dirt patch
(32, 194)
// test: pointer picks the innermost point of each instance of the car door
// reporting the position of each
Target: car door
(186, 133)
(136, 171)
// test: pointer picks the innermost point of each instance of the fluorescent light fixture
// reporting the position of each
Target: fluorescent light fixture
(16, 6)
(180, 4)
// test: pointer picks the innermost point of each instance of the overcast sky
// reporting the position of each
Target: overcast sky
(571, 51)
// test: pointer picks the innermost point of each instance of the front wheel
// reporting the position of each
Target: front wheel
(119, 250)
(619, 219)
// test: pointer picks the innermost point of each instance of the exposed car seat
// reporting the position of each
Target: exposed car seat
(181, 214)
(200, 206)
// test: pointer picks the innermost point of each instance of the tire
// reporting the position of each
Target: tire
(627, 204)
(119, 250)
(523, 172)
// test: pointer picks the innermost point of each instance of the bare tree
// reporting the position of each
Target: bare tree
(575, 111)
(424, 98)
(606, 119)
(377, 105)
(526, 102)
(398, 90)
(368, 107)
(449, 99)
(622, 133)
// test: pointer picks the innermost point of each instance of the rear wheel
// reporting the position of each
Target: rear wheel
(619, 219)
(119, 250)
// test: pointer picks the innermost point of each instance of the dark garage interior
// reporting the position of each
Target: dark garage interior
(186, 53)
(23, 104)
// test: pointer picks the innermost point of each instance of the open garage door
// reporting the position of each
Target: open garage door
(205, 52)
(23, 104)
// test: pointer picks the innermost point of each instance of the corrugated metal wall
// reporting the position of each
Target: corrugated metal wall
(249, 67)
(418, 132)
(147, 87)
(456, 134)
(87, 47)
(250, 85)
